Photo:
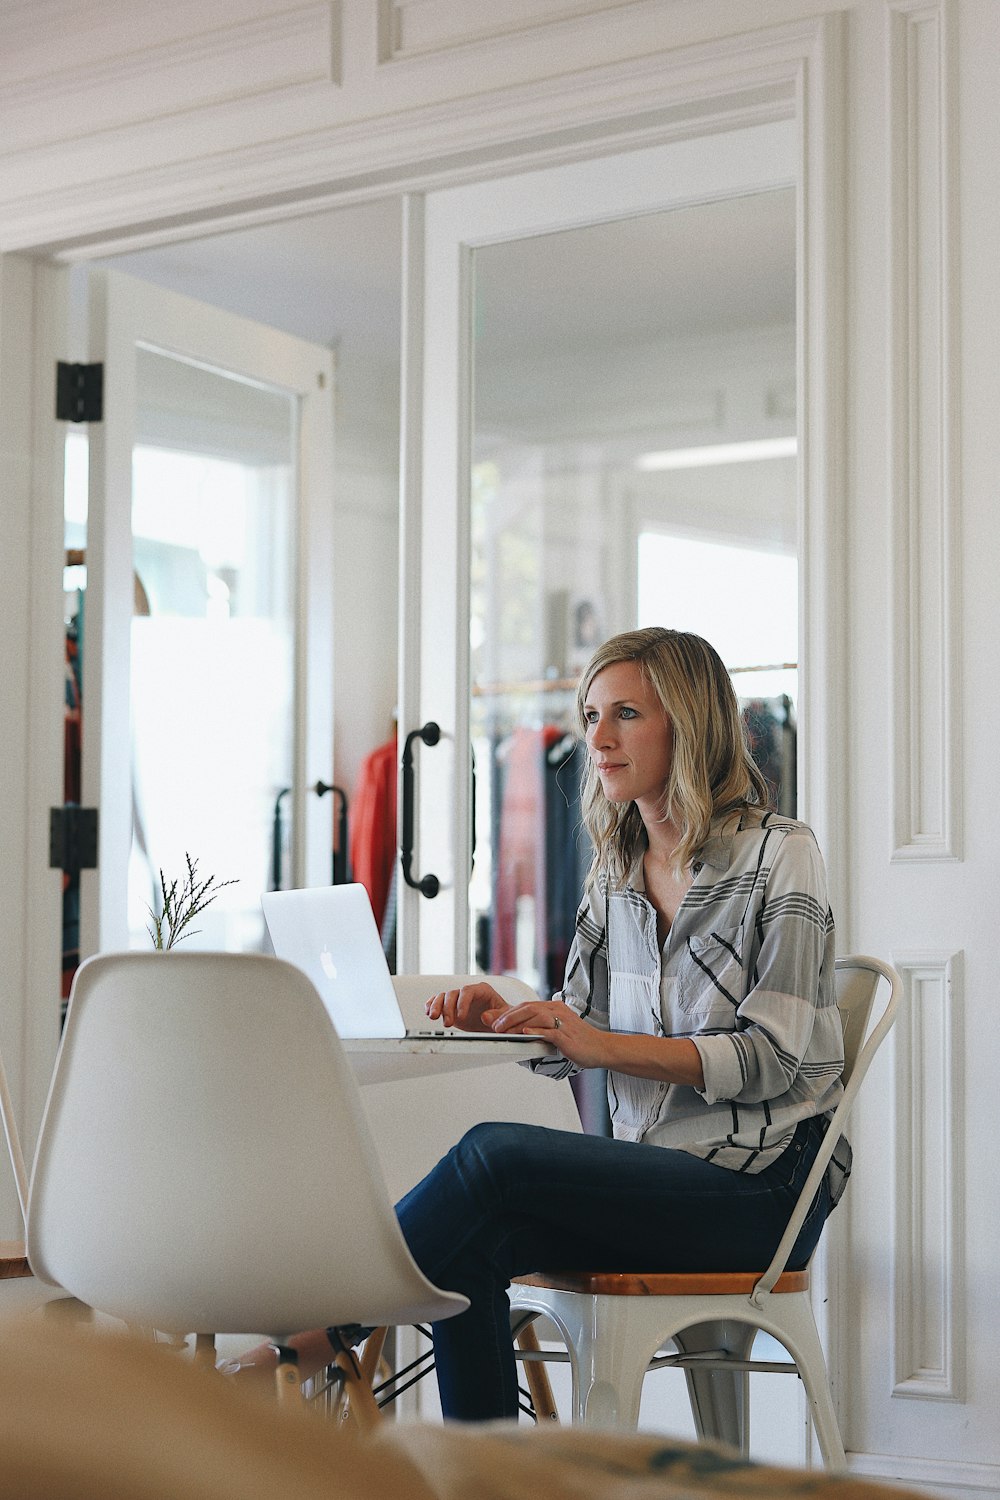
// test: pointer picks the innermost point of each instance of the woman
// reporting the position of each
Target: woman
(701, 978)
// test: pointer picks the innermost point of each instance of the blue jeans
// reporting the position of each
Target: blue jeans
(510, 1199)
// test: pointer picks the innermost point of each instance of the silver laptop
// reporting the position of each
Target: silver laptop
(329, 933)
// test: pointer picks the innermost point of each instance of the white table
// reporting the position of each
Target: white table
(386, 1059)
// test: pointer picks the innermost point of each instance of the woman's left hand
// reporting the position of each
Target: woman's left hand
(555, 1022)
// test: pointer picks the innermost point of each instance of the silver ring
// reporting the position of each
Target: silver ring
(557, 1023)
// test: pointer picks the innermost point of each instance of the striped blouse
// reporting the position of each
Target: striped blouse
(746, 971)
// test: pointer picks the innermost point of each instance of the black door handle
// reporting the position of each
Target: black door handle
(428, 885)
(341, 871)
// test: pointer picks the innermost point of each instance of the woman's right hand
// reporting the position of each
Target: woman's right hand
(475, 1007)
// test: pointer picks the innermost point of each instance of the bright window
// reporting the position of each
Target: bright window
(742, 599)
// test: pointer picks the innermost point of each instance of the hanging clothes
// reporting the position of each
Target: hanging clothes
(519, 864)
(568, 852)
(373, 826)
(72, 720)
(542, 854)
(771, 736)
(72, 758)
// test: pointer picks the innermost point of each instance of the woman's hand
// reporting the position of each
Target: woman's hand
(557, 1023)
(475, 1007)
(668, 1059)
(478, 1007)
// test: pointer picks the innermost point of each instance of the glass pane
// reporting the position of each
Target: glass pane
(212, 640)
(633, 462)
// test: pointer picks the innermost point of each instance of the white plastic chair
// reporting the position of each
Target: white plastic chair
(615, 1325)
(204, 1162)
(29, 1295)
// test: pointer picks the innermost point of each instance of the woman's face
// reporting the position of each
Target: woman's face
(629, 737)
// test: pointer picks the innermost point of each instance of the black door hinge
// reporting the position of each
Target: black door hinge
(79, 392)
(72, 838)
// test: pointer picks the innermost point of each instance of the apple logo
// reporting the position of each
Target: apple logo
(329, 967)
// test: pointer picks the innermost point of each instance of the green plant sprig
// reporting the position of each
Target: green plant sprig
(182, 902)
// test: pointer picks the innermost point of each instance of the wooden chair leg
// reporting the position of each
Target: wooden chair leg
(371, 1354)
(536, 1375)
(288, 1386)
(336, 1402)
(362, 1408)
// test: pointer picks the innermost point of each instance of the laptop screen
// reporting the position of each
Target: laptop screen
(329, 932)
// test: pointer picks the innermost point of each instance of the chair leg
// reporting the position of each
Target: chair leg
(798, 1330)
(607, 1372)
(537, 1376)
(371, 1354)
(608, 1345)
(362, 1408)
(720, 1399)
(287, 1385)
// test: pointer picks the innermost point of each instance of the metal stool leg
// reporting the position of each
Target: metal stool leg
(720, 1399)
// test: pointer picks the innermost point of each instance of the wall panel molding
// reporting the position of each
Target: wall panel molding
(285, 49)
(938, 1474)
(928, 1354)
(923, 443)
(416, 28)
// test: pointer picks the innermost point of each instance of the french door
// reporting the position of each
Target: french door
(205, 620)
(513, 563)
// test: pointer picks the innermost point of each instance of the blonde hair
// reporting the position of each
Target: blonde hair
(711, 770)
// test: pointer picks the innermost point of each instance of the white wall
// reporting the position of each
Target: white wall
(923, 643)
(346, 101)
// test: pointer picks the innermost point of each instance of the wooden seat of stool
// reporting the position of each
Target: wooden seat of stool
(13, 1260)
(661, 1284)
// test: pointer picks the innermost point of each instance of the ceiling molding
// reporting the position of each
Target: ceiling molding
(70, 196)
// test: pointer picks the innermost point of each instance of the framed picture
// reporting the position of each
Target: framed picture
(584, 629)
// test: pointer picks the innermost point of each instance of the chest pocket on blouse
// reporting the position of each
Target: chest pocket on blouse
(711, 981)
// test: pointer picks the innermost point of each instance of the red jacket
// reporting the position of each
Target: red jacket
(373, 825)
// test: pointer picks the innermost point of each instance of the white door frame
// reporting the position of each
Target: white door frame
(125, 313)
(804, 72)
(33, 319)
(457, 221)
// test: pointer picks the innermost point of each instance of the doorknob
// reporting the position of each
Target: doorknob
(427, 885)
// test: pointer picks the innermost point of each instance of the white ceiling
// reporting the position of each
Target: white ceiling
(334, 278)
(331, 278)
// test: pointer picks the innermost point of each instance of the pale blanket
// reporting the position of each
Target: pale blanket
(98, 1416)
